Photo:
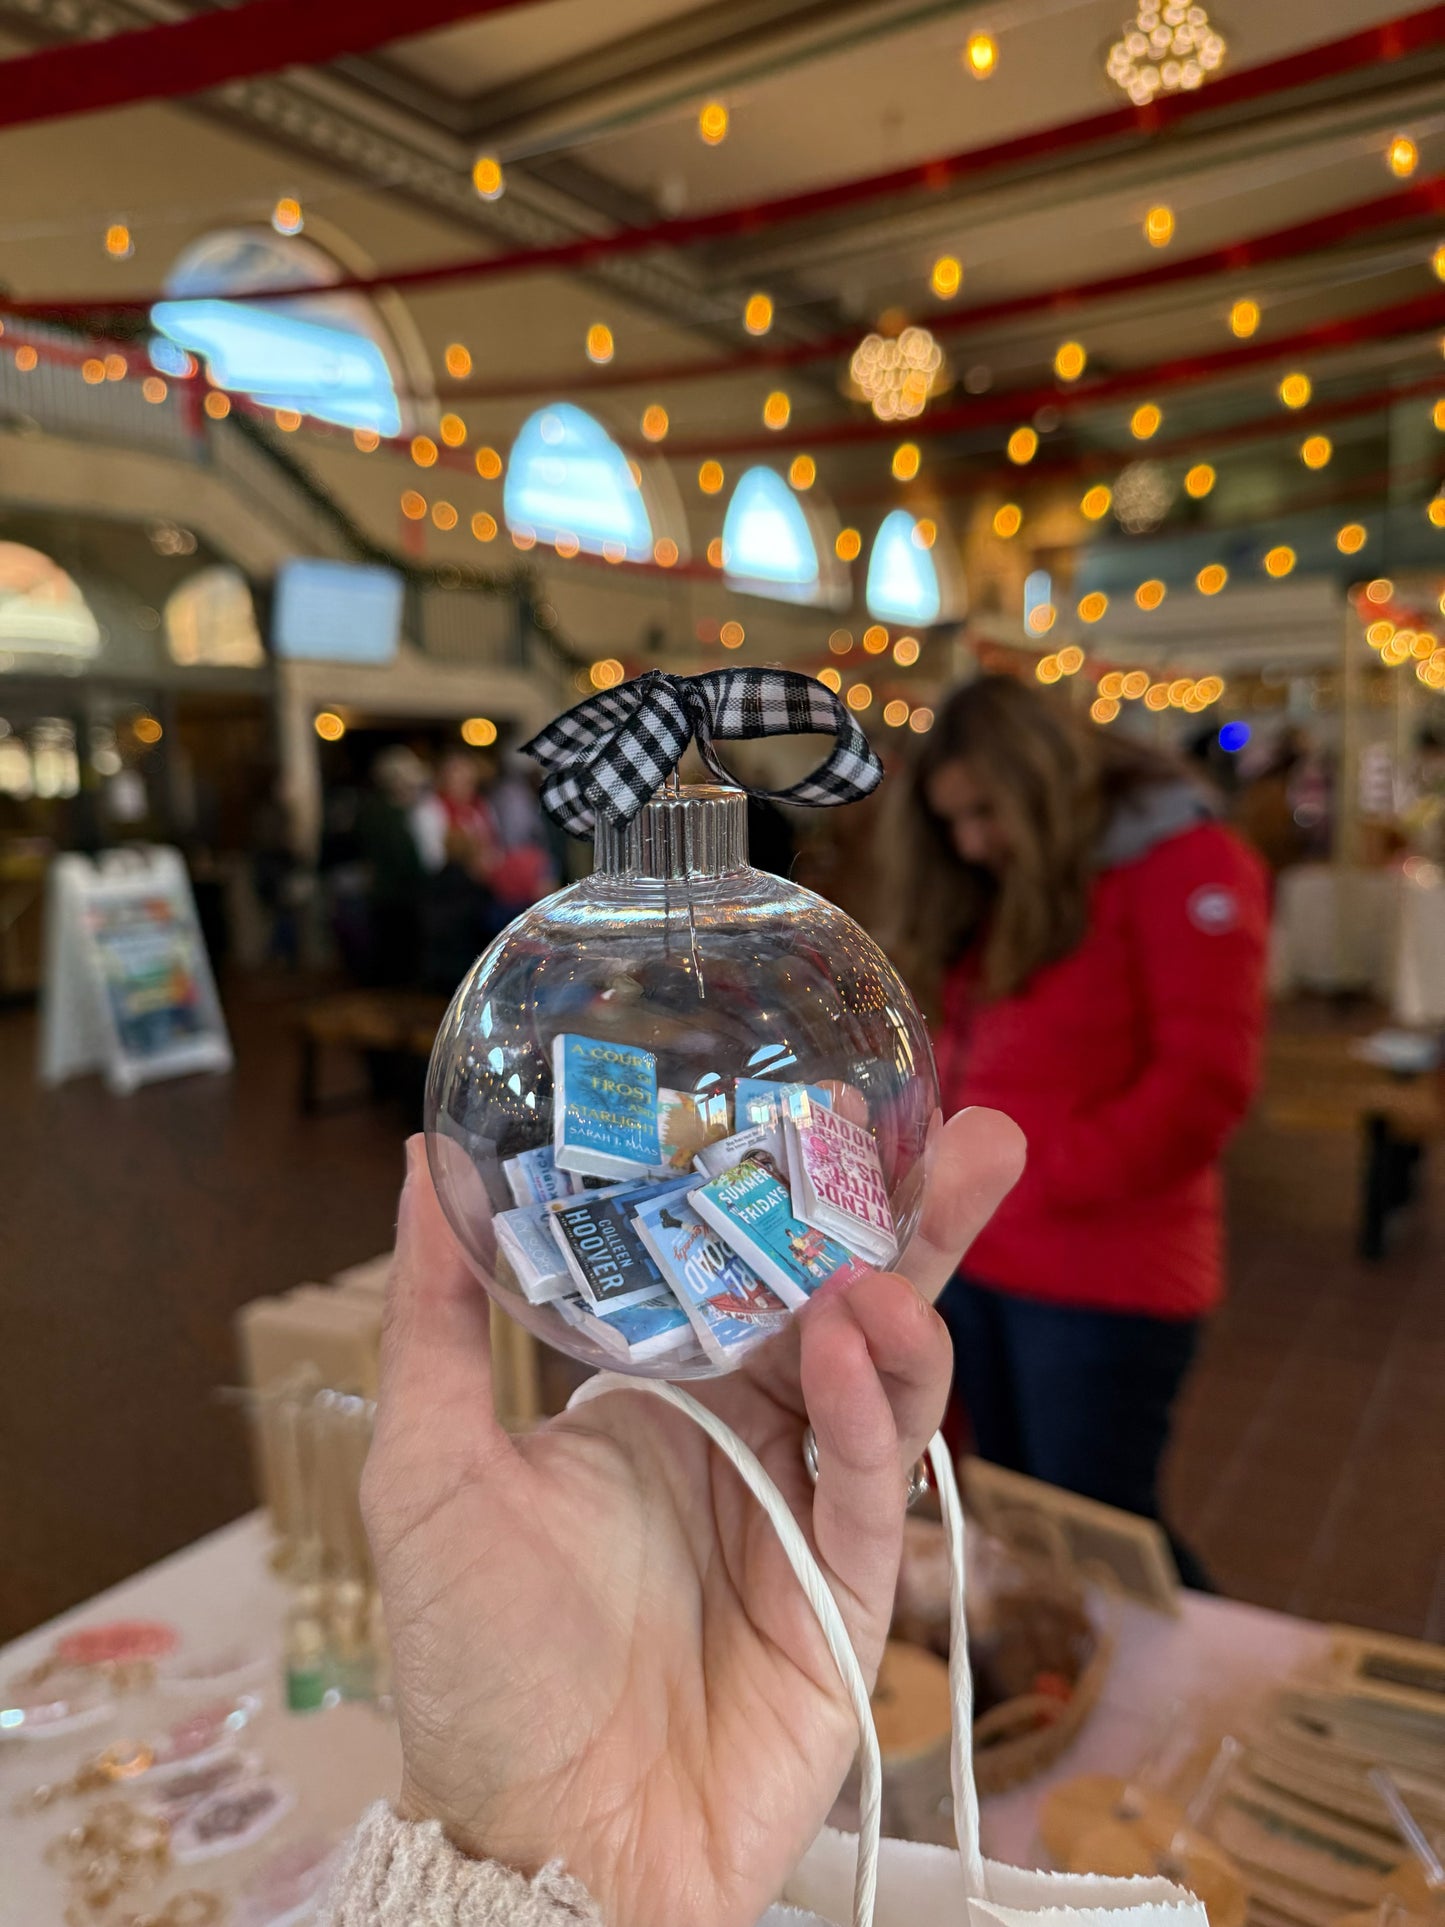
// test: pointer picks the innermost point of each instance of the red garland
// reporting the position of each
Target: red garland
(1121, 128)
(209, 49)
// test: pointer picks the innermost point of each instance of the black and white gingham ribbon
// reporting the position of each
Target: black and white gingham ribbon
(611, 753)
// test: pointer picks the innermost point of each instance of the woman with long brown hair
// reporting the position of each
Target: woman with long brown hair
(1091, 943)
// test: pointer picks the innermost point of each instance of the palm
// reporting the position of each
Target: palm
(601, 1654)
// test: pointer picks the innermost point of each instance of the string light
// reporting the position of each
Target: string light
(365, 440)
(1379, 633)
(906, 651)
(1111, 685)
(488, 463)
(523, 539)
(1199, 481)
(599, 342)
(1209, 689)
(875, 639)
(286, 216)
(921, 721)
(1351, 538)
(895, 714)
(1159, 226)
(710, 477)
(1047, 669)
(906, 460)
(1070, 360)
(859, 696)
(848, 545)
(1316, 450)
(329, 726)
(1437, 416)
(119, 244)
(1244, 318)
(458, 360)
(423, 450)
(665, 552)
(758, 314)
(116, 368)
(1156, 696)
(217, 405)
(484, 526)
(26, 359)
(487, 177)
(479, 732)
(607, 673)
(453, 430)
(444, 516)
(841, 642)
(924, 533)
(947, 276)
(566, 544)
(92, 370)
(980, 55)
(732, 635)
(1145, 420)
(830, 679)
(288, 420)
(716, 554)
(153, 388)
(1008, 520)
(712, 122)
(1380, 590)
(1150, 594)
(654, 421)
(614, 552)
(1104, 709)
(413, 504)
(1093, 605)
(1041, 618)
(1295, 390)
(802, 471)
(1402, 157)
(1023, 445)
(1097, 502)
(1279, 561)
(1435, 513)
(1071, 660)
(1180, 690)
(777, 409)
(1136, 682)
(1437, 262)
(1211, 578)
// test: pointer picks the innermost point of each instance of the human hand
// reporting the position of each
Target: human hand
(600, 1653)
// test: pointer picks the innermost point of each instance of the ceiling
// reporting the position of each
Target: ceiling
(593, 112)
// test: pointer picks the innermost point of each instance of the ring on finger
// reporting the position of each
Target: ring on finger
(918, 1479)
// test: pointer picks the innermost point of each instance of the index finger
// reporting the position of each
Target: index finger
(974, 1162)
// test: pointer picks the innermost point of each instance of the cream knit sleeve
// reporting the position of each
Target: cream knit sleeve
(398, 1873)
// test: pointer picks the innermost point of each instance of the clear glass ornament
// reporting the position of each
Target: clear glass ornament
(677, 946)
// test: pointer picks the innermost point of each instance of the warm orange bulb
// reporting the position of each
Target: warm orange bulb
(947, 276)
(444, 516)
(803, 471)
(1150, 594)
(1211, 579)
(895, 714)
(329, 726)
(1096, 502)
(92, 370)
(1070, 360)
(1279, 561)
(488, 464)
(26, 358)
(487, 177)
(365, 440)
(980, 55)
(1047, 669)
(654, 422)
(921, 721)
(286, 216)
(217, 405)
(859, 696)
(758, 314)
(1295, 390)
(484, 526)
(712, 122)
(1402, 157)
(1136, 682)
(1244, 318)
(1145, 420)
(288, 420)
(1093, 606)
(875, 639)
(599, 342)
(153, 388)
(413, 504)
(848, 546)
(1156, 696)
(1380, 590)
(453, 430)
(1199, 480)
(1071, 660)
(1351, 538)
(776, 410)
(710, 477)
(1008, 520)
(906, 651)
(830, 679)
(716, 555)
(1111, 685)
(924, 533)
(118, 241)
(840, 642)
(458, 360)
(664, 552)
(1316, 450)
(423, 450)
(906, 460)
(732, 635)
(1159, 226)
(1104, 709)
(1023, 445)
(116, 368)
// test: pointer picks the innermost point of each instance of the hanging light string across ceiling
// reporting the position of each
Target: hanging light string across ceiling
(1119, 128)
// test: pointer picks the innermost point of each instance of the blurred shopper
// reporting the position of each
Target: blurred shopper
(391, 865)
(1092, 943)
(457, 837)
(528, 868)
(1265, 813)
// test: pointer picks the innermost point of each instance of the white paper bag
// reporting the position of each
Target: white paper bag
(897, 1883)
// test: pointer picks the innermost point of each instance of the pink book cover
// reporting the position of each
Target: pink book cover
(843, 1170)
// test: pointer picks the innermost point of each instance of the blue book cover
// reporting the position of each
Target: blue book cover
(730, 1307)
(657, 1329)
(600, 1244)
(753, 1211)
(604, 1108)
(758, 1100)
(524, 1238)
(533, 1178)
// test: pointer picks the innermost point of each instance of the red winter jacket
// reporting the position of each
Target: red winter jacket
(1127, 1065)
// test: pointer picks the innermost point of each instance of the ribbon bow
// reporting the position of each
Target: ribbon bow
(611, 753)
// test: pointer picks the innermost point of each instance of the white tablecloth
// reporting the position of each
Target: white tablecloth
(220, 1593)
(1379, 931)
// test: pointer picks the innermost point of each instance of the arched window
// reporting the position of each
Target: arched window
(42, 611)
(768, 542)
(323, 355)
(568, 479)
(903, 584)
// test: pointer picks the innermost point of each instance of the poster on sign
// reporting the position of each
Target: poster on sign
(128, 989)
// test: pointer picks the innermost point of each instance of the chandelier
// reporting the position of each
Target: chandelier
(1166, 49)
(896, 374)
(1143, 496)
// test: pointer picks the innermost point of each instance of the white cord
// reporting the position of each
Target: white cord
(815, 1587)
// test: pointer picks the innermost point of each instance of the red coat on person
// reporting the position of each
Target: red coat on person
(1127, 1064)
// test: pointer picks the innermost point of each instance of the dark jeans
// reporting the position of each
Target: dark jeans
(1078, 1398)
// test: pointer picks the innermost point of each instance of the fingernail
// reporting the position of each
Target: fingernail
(414, 1147)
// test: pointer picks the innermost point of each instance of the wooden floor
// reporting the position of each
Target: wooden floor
(1307, 1463)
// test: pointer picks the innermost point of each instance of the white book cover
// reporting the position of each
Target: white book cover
(525, 1237)
(837, 1183)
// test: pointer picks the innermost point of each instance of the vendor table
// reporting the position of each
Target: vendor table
(1377, 931)
(221, 1593)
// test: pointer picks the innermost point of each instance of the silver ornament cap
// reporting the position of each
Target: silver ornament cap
(686, 830)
